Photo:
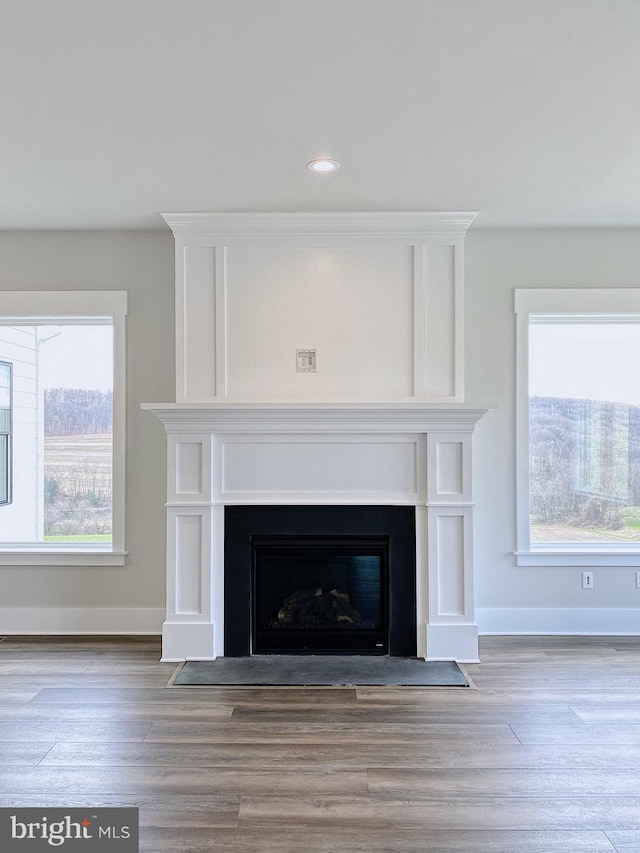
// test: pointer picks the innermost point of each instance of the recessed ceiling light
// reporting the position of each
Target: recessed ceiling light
(323, 166)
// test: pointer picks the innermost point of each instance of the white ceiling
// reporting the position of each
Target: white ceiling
(112, 111)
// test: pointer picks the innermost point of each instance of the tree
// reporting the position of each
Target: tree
(77, 411)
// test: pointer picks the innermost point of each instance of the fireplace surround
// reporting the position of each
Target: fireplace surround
(407, 455)
(323, 579)
(375, 419)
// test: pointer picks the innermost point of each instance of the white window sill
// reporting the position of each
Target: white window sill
(555, 555)
(48, 556)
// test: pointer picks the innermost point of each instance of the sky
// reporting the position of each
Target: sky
(77, 357)
(591, 361)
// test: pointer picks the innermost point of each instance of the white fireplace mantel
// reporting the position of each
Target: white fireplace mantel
(378, 419)
(412, 454)
(316, 417)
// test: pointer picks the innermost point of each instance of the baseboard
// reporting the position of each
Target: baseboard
(81, 620)
(594, 621)
(149, 620)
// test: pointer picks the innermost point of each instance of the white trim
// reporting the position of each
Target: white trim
(577, 300)
(337, 224)
(203, 240)
(600, 621)
(55, 557)
(194, 626)
(200, 638)
(81, 620)
(46, 305)
(419, 322)
(63, 303)
(536, 305)
(286, 418)
(452, 641)
(625, 555)
(119, 434)
(523, 530)
(458, 320)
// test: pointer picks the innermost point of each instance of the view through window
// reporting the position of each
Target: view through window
(62, 441)
(584, 430)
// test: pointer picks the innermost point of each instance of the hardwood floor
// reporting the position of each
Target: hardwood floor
(542, 755)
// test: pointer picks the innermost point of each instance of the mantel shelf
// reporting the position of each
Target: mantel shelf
(317, 417)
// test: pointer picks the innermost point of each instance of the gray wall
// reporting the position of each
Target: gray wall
(496, 263)
(142, 264)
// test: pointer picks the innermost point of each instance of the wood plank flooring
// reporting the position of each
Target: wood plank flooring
(541, 755)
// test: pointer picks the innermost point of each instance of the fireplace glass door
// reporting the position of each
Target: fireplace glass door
(325, 594)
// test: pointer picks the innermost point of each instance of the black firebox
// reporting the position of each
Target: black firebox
(319, 594)
(320, 580)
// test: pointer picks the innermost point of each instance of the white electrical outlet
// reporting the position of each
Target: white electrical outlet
(637, 580)
(587, 580)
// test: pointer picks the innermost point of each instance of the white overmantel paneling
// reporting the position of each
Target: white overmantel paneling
(379, 296)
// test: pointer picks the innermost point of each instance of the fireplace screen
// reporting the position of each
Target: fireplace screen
(324, 594)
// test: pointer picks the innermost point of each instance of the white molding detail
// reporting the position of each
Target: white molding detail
(600, 621)
(286, 418)
(575, 556)
(577, 301)
(452, 642)
(56, 557)
(46, 304)
(387, 291)
(407, 224)
(236, 272)
(328, 455)
(80, 620)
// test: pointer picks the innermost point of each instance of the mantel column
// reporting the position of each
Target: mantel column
(450, 630)
(194, 528)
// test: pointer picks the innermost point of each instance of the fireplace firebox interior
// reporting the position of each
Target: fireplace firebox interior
(320, 580)
(319, 594)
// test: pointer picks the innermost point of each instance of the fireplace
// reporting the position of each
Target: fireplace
(375, 421)
(320, 579)
(315, 460)
(319, 594)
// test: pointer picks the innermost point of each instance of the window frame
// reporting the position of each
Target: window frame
(8, 433)
(47, 306)
(571, 304)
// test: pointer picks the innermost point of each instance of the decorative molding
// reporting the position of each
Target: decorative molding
(452, 642)
(230, 265)
(286, 418)
(402, 224)
(590, 556)
(594, 621)
(81, 620)
(57, 557)
(282, 468)
(234, 387)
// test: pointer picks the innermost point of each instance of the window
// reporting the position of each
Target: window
(578, 427)
(5, 432)
(65, 451)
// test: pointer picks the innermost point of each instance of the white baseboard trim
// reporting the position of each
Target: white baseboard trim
(596, 621)
(81, 620)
